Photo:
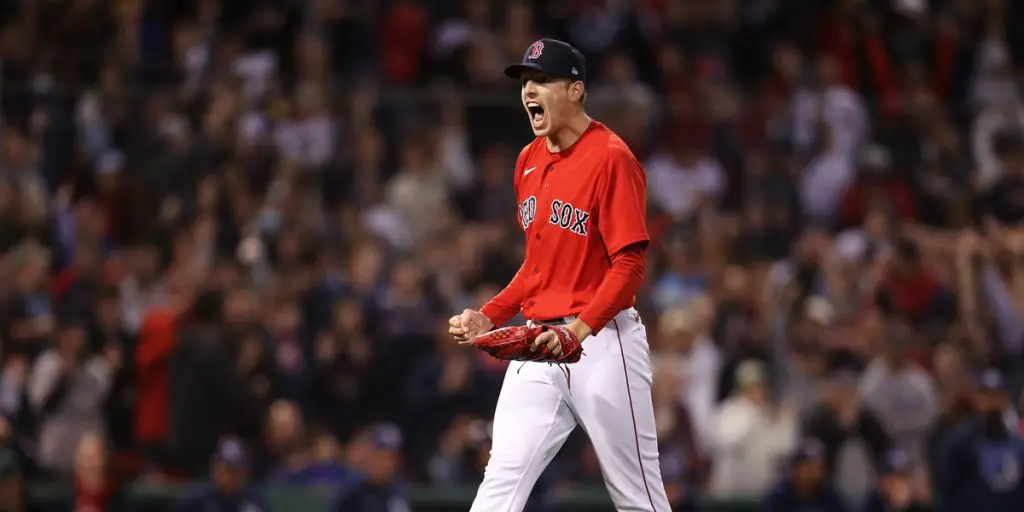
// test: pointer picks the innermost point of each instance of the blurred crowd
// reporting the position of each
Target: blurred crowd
(231, 230)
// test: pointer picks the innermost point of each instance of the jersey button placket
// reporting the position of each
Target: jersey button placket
(544, 186)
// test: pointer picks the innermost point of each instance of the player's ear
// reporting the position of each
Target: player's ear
(576, 91)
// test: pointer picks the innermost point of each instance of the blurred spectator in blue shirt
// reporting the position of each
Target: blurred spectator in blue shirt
(321, 466)
(227, 490)
(895, 489)
(380, 489)
(805, 487)
(983, 465)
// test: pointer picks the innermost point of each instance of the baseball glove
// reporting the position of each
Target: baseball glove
(514, 344)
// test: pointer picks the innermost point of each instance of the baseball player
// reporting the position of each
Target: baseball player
(583, 358)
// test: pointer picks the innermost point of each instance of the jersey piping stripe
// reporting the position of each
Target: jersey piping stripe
(632, 415)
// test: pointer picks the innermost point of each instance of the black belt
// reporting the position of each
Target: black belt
(563, 320)
(556, 321)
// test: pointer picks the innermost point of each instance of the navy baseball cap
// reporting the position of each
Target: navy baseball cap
(386, 436)
(894, 461)
(808, 449)
(991, 380)
(554, 57)
(231, 451)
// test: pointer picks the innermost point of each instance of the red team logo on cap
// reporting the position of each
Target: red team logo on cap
(536, 49)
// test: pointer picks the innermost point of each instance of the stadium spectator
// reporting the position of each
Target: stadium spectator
(229, 487)
(205, 392)
(805, 483)
(900, 392)
(96, 487)
(751, 437)
(896, 489)
(853, 436)
(66, 390)
(980, 465)
(381, 488)
(286, 440)
(697, 362)
(321, 468)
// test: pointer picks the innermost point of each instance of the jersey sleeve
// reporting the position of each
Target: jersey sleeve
(622, 202)
(509, 301)
(618, 289)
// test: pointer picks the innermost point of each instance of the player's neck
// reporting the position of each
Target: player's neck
(566, 136)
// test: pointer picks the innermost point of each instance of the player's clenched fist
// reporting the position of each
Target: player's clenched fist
(548, 340)
(469, 325)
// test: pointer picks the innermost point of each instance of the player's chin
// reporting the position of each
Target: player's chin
(541, 130)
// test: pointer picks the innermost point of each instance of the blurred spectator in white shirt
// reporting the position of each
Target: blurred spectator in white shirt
(900, 392)
(683, 339)
(750, 438)
(832, 102)
(681, 177)
(988, 127)
(419, 192)
(66, 390)
(453, 147)
(826, 178)
(993, 81)
(256, 71)
(310, 137)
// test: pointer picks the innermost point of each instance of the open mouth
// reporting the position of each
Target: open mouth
(536, 113)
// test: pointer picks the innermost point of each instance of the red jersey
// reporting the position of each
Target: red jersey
(577, 208)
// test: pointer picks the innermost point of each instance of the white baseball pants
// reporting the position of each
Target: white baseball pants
(608, 393)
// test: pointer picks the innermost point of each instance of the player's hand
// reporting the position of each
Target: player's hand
(468, 325)
(549, 339)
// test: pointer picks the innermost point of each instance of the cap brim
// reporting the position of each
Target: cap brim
(517, 70)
